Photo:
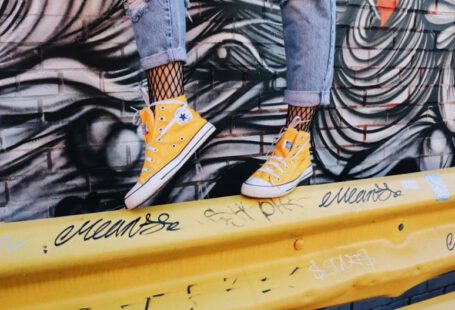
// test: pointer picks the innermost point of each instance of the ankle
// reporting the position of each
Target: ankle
(166, 81)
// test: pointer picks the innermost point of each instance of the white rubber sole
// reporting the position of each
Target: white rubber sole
(142, 192)
(257, 191)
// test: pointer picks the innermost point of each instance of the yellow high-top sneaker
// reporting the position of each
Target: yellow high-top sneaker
(285, 168)
(172, 134)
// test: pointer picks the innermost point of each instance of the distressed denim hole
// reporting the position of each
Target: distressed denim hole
(135, 9)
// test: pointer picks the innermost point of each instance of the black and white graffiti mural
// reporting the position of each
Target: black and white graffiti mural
(69, 75)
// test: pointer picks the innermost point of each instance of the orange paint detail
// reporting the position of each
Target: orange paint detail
(386, 9)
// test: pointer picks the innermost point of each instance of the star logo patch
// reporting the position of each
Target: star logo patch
(182, 115)
(288, 145)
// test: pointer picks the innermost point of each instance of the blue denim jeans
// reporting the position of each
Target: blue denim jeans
(160, 30)
(309, 37)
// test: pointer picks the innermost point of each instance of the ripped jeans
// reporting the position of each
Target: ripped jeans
(309, 39)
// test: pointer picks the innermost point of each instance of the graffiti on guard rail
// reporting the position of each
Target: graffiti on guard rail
(450, 242)
(341, 263)
(354, 195)
(289, 277)
(105, 229)
(237, 215)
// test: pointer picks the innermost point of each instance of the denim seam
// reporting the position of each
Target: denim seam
(331, 47)
(168, 19)
(171, 10)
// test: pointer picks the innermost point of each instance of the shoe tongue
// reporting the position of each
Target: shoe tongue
(172, 104)
(147, 119)
(286, 142)
(181, 98)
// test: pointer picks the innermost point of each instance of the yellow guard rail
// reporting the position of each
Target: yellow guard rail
(321, 245)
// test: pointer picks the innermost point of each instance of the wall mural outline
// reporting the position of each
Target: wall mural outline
(69, 73)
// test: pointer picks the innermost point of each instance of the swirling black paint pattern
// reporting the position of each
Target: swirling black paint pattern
(70, 72)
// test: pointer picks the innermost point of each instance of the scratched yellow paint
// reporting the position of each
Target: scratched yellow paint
(321, 245)
(443, 302)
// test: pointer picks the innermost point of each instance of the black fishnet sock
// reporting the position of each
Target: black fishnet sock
(305, 113)
(166, 81)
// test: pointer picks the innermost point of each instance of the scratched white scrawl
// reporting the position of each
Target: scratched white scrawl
(8, 245)
(438, 186)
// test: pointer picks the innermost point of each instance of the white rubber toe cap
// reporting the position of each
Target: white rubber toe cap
(257, 182)
(255, 187)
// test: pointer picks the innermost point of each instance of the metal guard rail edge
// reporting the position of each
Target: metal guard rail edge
(321, 245)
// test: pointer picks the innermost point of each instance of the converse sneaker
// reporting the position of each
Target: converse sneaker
(285, 168)
(172, 134)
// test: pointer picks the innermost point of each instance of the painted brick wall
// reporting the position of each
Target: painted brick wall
(69, 75)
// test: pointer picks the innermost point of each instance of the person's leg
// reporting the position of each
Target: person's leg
(173, 131)
(166, 81)
(305, 114)
(309, 34)
(160, 31)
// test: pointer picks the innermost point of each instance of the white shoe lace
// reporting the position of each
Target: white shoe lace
(138, 122)
(278, 161)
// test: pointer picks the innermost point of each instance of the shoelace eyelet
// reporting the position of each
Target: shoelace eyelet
(182, 138)
(158, 140)
(163, 107)
(160, 129)
(173, 145)
(162, 118)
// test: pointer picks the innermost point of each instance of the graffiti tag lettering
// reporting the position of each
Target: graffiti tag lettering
(239, 216)
(94, 230)
(354, 195)
(236, 216)
(340, 264)
(450, 242)
(277, 206)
